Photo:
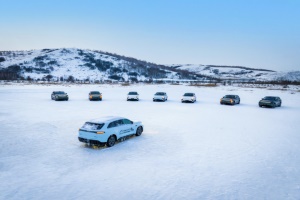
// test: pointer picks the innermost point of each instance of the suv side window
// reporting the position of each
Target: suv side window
(120, 122)
(127, 121)
(112, 124)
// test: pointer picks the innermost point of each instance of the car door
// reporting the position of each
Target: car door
(129, 126)
(124, 128)
(113, 128)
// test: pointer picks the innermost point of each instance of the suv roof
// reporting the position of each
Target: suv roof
(106, 119)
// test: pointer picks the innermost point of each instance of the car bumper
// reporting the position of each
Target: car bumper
(187, 100)
(266, 104)
(88, 135)
(61, 98)
(132, 98)
(93, 142)
(226, 102)
(158, 98)
(95, 98)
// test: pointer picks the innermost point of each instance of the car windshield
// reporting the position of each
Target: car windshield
(229, 96)
(59, 92)
(188, 94)
(92, 126)
(95, 92)
(132, 93)
(160, 93)
(269, 98)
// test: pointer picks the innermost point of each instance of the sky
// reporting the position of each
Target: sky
(256, 33)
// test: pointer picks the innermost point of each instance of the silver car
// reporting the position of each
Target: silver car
(160, 96)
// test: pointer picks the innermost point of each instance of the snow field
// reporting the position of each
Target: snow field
(193, 151)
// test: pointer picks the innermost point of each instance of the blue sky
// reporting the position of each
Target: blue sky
(261, 34)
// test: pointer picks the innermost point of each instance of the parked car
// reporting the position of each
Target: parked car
(270, 101)
(108, 130)
(59, 95)
(230, 99)
(133, 96)
(188, 97)
(95, 95)
(160, 96)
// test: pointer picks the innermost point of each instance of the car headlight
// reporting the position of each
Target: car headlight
(91, 96)
(100, 132)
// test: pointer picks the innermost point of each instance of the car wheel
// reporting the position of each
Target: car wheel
(100, 99)
(67, 99)
(111, 141)
(239, 102)
(55, 98)
(139, 131)
(279, 105)
(260, 105)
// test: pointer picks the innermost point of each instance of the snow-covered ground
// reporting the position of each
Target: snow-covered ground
(187, 151)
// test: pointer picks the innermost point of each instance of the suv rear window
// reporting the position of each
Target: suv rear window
(92, 126)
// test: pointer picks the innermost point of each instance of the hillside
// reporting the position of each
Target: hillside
(238, 72)
(81, 64)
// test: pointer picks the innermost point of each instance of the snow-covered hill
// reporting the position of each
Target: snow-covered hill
(238, 72)
(81, 64)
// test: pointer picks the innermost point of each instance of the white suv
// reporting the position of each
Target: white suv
(188, 97)
(160, 96)
(108, 130)
(133, 96)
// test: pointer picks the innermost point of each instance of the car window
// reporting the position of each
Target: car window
(112, 124)
(160, 93)
(120, 122)
(132, 93)
(127, 121)
(92, 126)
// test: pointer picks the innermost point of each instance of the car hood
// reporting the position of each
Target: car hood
(187, 97)
(265, 101)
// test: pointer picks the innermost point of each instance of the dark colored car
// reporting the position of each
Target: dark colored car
(230, 99)
(270, 101)
(95, 96)
(59, 95)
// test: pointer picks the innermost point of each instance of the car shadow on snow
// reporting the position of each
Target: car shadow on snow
(131, 139)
